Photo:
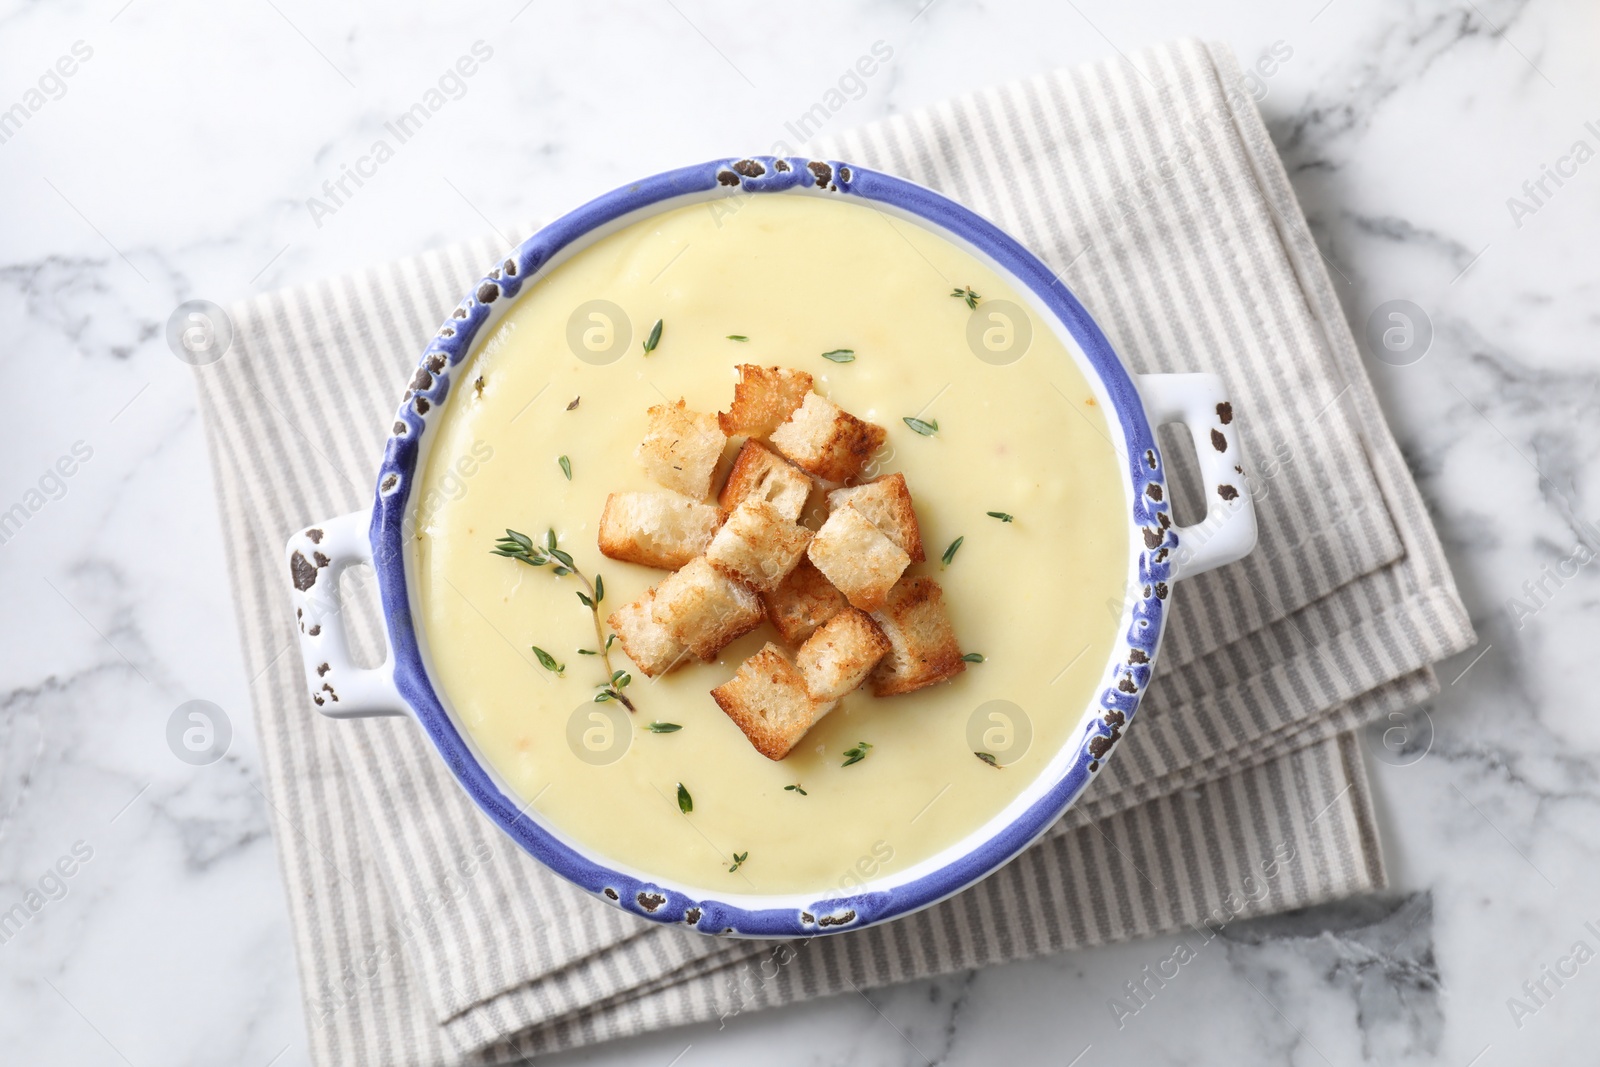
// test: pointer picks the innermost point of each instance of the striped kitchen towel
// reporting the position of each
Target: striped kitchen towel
(1149, 182)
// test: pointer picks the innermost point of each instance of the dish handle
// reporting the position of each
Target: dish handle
(1228, 531)
(317, 556)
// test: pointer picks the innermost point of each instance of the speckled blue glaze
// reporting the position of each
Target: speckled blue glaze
(1155, 542)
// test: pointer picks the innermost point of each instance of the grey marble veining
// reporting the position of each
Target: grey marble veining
(180, 159)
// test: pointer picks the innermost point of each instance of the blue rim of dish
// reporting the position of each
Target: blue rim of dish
(1124, 684)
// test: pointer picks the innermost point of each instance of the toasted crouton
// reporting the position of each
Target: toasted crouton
(802, 602)
(886, 502)
(704, 609)
(681, 449)
(758, 546)
(645, 641)
(823, 439)
(858, 558)
(840, 655)
(760, 473)
(768, 700)
(762, 399)
(922, 644)
(663, 530)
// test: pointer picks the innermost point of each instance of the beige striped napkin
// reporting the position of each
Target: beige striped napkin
(426, 938)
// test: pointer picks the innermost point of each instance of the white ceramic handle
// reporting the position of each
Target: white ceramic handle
(316, 557)
(1228, 531)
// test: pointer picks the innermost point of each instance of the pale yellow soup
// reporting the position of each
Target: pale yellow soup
(798, 276)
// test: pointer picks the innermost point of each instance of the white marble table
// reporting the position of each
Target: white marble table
(176, 161)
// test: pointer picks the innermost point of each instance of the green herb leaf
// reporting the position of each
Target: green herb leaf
(663, 727)
(988, 758)
(796, 789)
(550, 541)
(566, 467)
(599, 589)
(519, 546)
(604, 695)
(574, 402)
(972, 657)
(950, 553)
(610, 639)
(1002, 516)
(738, 861)
(585, 598)
(840, 355)
(737, 337)
(926, 429)
(587, 652)
(966, 293)
(565, 559)
(547, 661)
(857, 754)
(685, 801)
(654, 338)
(620, 679)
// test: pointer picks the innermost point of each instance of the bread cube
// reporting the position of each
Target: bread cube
(664, 529)
(768, 700)
(826, 441)
(858, 558)
(757, 545)
(886, 502)
(802, 602)
(762, 399)
(840, 655)
(704, 609)
(922, 644)
(653, 650)
(681, 449)
(760, 473)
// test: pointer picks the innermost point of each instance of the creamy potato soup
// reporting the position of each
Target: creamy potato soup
(534, 438)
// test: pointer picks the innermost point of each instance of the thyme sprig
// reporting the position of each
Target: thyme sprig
(966, 293)
(840, 355)
(796, 789)
(520, 547)
(738, 861)
(855, 755)
(1003, 516)
(612, 690)
(654, 338)
(925, 427)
